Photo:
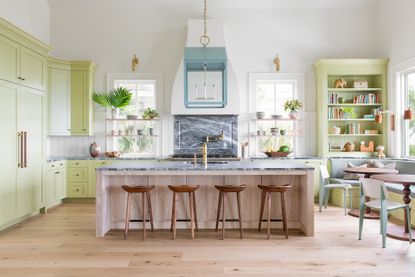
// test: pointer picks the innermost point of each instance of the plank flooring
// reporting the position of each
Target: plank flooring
(63, 243)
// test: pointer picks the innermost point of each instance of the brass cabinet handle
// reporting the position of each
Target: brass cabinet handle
(77, 189)
(25, 149)
(57, 172)
(19, 150)
(22, 79)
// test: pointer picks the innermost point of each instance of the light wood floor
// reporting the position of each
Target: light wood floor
(63, 243)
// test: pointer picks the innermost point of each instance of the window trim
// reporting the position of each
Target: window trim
(298, 79)
(158, 78)
(404, 104)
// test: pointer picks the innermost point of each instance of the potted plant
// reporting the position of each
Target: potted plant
(115, 99)
(292, 106)
(149, 114)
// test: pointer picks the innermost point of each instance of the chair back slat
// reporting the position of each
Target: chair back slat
(372, 188)
(324, 173)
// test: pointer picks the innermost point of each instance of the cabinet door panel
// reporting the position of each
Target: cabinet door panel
(59, 102)
(78, 108)
(29, 192)
(32, 69)
(9, 55)
(29, 181)
(8, 162)
(59, 185)
(29, 119)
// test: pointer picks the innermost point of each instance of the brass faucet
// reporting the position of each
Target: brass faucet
(204, 153)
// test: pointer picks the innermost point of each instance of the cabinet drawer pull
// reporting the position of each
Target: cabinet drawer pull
(57, 172)
(53, 165)
(77, 189)
(77, 174)
(19, 78)
(61, 164)
(22, 79)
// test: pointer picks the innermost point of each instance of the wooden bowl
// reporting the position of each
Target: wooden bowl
(277, 154)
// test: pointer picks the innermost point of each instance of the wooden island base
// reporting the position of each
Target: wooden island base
(111, 199)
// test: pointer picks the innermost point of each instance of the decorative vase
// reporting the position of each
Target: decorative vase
(115, 113)
(94, 149)
(293, 114)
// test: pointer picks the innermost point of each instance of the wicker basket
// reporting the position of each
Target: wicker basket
(277, 154)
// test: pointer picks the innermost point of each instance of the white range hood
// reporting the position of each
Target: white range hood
(217, 39)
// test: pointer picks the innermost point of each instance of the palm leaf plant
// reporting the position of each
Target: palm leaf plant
(118, 98)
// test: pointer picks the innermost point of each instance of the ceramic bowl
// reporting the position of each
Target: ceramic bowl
(260, 115)
(276, 116)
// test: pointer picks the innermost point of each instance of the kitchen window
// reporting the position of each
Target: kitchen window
(409, 125)
(130, 134)
(268, 93)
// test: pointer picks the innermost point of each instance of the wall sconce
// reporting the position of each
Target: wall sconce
(277, 61)
(407, 115)
(134, 63)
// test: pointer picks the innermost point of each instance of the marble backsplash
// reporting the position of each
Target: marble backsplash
(190, 133)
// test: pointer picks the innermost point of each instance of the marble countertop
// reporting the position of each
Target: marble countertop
(61, 158)
(273, 165)
(100, 158)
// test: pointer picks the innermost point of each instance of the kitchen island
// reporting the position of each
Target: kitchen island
(111, 199)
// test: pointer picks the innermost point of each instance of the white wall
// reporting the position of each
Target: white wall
(31, 16)
(110, 36)
(397, 41)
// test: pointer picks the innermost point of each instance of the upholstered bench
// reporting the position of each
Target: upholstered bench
(337, 166)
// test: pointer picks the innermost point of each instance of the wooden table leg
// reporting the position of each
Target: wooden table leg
(399, 232)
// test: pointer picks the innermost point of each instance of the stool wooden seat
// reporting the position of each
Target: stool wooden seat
(221, 205)
(145, 191)
(190, 189)
(266, 192)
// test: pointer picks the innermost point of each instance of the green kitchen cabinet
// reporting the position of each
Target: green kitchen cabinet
(77, 179)
(22, 57)
(82, 86)
(29, 176)
(22, 135)
(32, 69)
(9, 160)
(93, 176)
(54, 183)
(70, 106)
(9, 55)
(59, 97)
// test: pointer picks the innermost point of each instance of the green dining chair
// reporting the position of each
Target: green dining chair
(326, 186)
(379, 200)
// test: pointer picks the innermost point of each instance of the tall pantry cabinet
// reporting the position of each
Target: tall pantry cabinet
(22, 91)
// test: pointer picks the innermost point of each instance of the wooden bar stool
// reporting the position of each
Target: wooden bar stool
(145, 192)
(221, 205)
(190, 189)
(266, 192)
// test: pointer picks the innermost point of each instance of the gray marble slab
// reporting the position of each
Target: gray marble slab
(188, 166)
(190, 132)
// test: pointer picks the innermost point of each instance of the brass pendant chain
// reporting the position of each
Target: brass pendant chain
(204, 39)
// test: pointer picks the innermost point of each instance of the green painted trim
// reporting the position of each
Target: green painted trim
(15, 33)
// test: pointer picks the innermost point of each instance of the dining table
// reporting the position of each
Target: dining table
(367, 172)
(406, 180)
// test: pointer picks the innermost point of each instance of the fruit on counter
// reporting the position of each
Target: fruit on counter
(284, 148)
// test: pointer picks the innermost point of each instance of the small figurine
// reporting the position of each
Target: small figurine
(348, 147)
(277, 62)
(369, 148)
(340, 83)
(381, 149)
(134, 63)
